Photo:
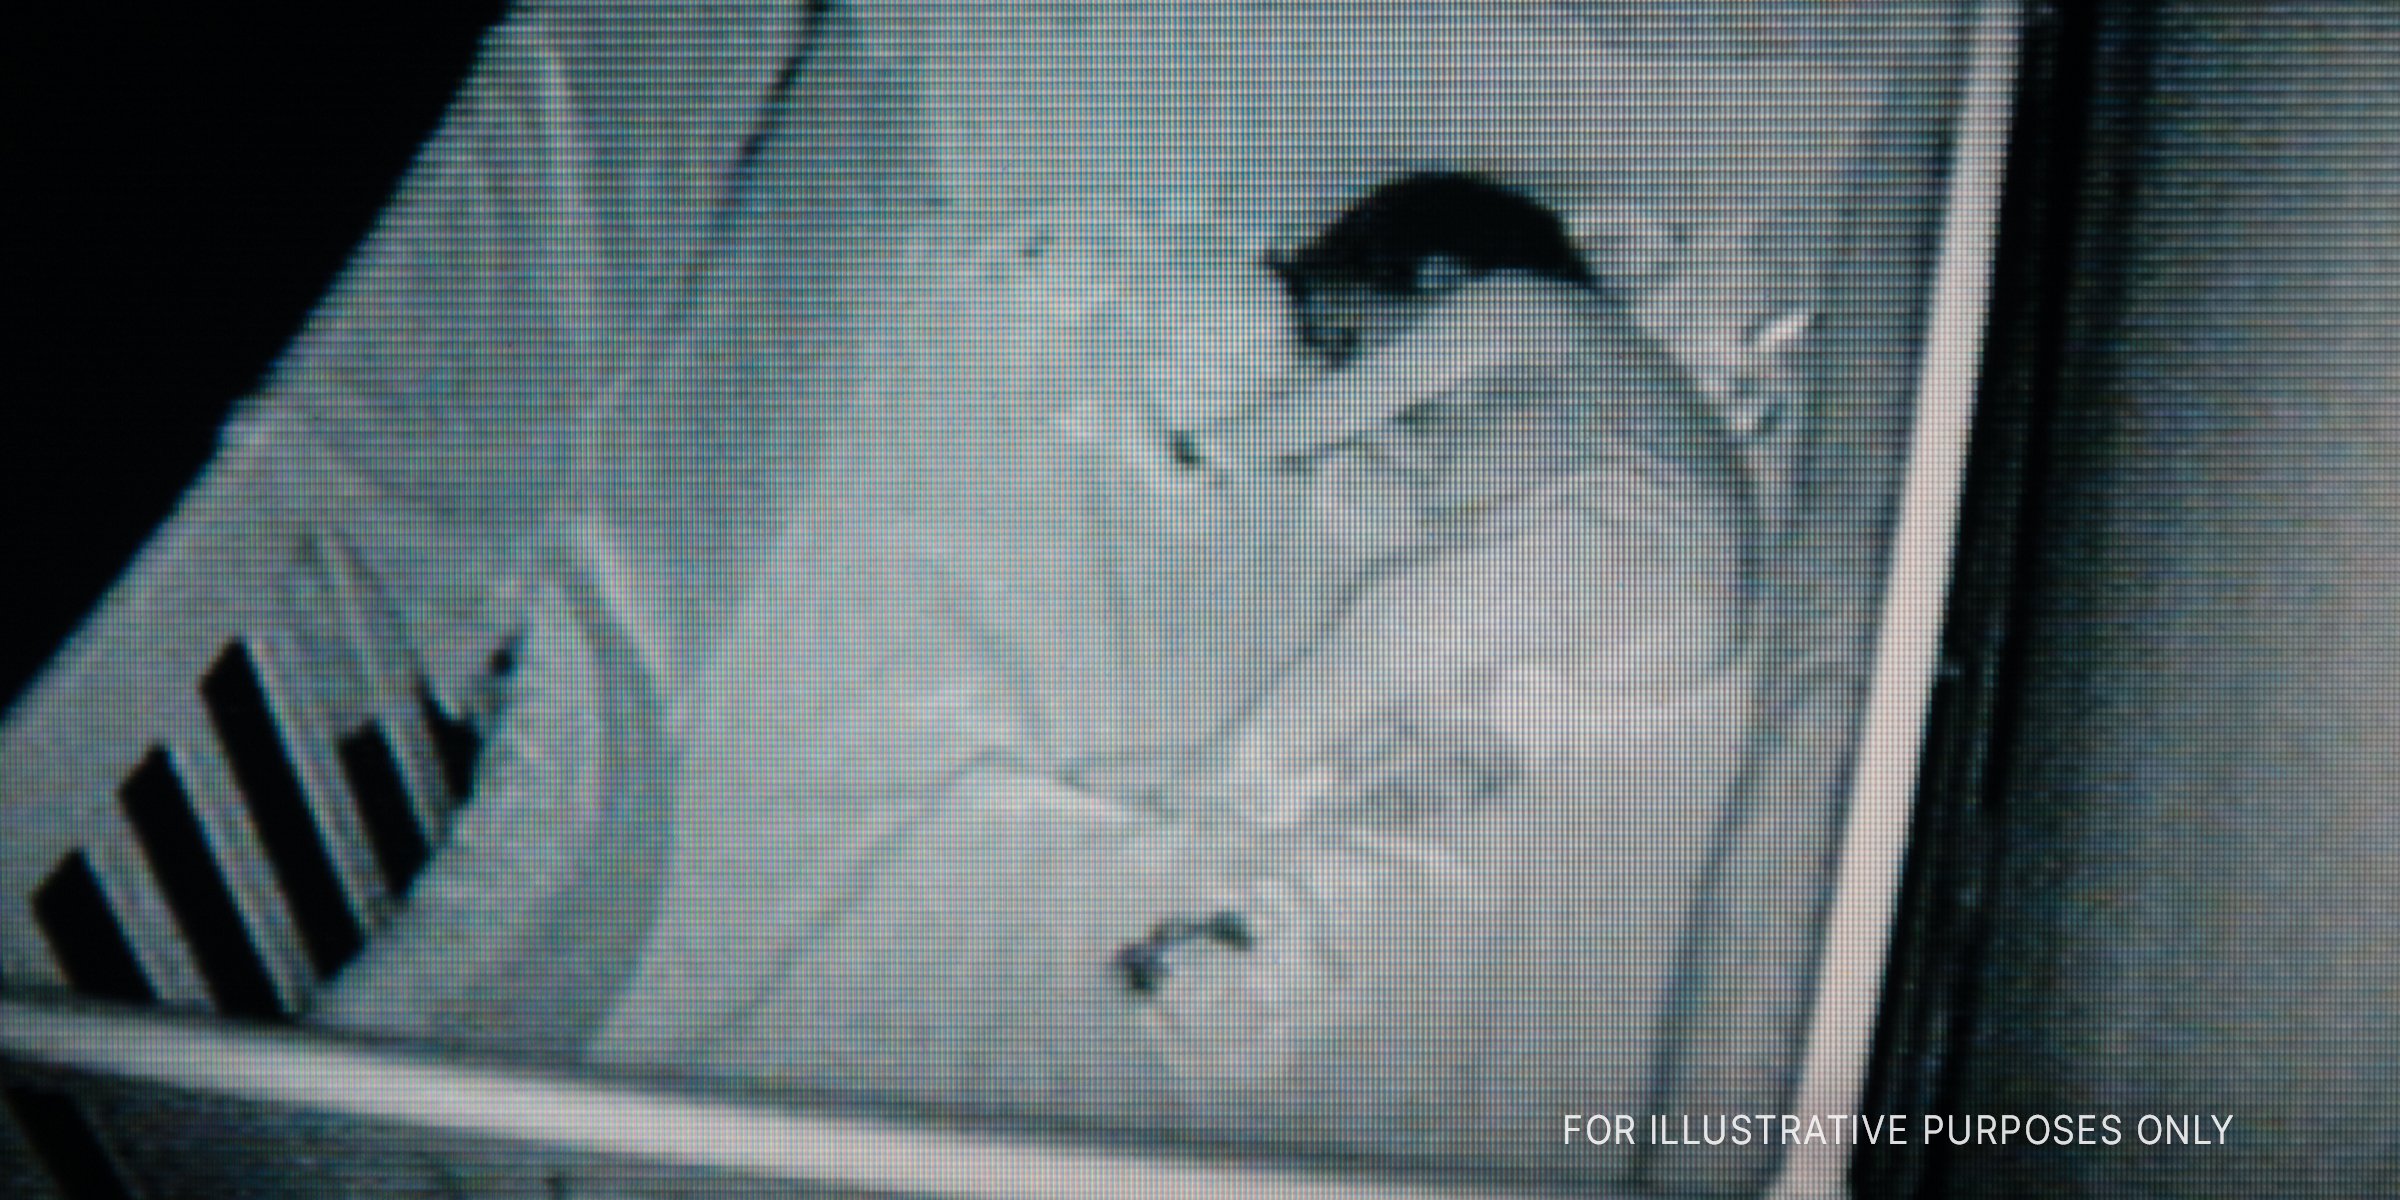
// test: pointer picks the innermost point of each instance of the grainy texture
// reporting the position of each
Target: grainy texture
(988, 651)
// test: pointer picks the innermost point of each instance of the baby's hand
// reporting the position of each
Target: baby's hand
(1391, 770)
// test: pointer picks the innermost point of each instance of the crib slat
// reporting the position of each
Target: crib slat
(149, 924)
(85, 936)
(372, 770)
(291, 832)
(184, 862)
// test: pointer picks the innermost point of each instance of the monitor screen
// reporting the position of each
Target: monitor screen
(1343, 588)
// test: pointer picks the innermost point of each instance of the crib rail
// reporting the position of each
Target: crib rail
(571, 1121)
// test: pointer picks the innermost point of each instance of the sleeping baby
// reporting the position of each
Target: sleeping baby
(1338, 771)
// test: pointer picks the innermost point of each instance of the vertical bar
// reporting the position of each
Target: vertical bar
(240, 712)
(189, 876)
(1866, 883)
(85, 937)
(373, 772)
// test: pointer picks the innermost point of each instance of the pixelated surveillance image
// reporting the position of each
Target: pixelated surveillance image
(1286, 576)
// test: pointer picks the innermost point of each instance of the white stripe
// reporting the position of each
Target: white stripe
(1858, 929)
(277, 1067)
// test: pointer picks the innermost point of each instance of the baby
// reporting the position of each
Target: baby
(1423, 885)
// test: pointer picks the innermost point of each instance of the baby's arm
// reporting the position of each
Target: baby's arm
(1489, 325)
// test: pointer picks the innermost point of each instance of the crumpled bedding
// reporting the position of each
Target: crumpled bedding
(1345, 784)
(921, 821)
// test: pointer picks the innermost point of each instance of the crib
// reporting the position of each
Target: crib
(224, 786)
